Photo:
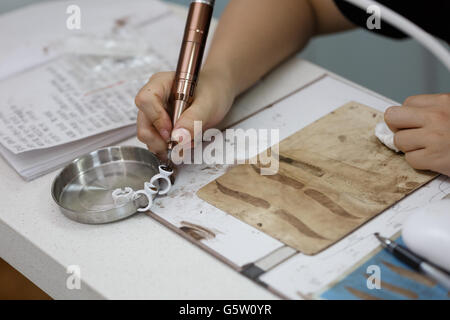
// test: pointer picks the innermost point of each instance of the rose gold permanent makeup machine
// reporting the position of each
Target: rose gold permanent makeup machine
(190, 60)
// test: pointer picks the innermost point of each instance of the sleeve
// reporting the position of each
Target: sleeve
(429, 15)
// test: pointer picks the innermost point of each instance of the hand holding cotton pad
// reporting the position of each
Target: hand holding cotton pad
(386, 136)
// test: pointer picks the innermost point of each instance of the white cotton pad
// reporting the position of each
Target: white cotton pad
(386, 136)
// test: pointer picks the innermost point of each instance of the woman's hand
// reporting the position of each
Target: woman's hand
(213, 99)
(422, 131)
(244, 48)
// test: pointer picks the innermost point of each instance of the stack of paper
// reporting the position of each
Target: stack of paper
(74, 91)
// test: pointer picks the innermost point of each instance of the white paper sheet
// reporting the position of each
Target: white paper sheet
(74, 96)
(71, 98)
(38, 33)
(65, 93)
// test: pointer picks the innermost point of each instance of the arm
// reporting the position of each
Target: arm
(252, 37)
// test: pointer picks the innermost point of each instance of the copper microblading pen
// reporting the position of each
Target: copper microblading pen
(189, 61)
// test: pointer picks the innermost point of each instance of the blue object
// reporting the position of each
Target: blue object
(397, 282)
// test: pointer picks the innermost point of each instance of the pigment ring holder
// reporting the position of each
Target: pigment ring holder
(110, 184)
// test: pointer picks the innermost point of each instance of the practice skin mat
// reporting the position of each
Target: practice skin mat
(334, 175)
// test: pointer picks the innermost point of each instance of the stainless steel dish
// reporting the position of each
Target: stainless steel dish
(83, 188)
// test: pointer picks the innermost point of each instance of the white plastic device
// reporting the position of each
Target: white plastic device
(427, 233)
(159, 184)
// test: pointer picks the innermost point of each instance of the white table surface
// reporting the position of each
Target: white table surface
(137, 258)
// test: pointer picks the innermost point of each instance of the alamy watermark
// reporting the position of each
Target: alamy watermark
(374, 20)
(73, 281)
(234, 146)
(73, 21)
(374, 278)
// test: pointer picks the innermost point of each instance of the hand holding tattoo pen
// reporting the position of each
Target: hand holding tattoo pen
(189, 61)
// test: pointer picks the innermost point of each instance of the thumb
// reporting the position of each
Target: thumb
(196, 117)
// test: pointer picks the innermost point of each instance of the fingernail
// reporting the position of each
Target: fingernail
(165, 134)
(181, 136)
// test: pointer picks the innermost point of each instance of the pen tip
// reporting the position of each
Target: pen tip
(385, 242)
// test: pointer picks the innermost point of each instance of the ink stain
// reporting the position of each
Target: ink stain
(393, 288)
(314, 170)
(120, 23)
(196, 231)
(326, 202)
(259, 224)
(254, 201)
(402, 190)
(298, 224)
(412, 184)
(412, 275)
(211, 169)
(166, 168)
(281, 178)
(187, 194)
(342, 138)
(361, 294)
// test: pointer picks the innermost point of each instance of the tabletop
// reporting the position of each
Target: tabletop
(137, 258)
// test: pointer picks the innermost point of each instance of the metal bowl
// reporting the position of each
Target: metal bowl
(83, 188)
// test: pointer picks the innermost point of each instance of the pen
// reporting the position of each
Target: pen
(414, 261)
(189, 60)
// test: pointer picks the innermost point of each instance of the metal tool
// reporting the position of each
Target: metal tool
(414, 261)
(189, 60)
(83, 189)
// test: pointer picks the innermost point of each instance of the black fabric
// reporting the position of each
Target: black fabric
(431, 15)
